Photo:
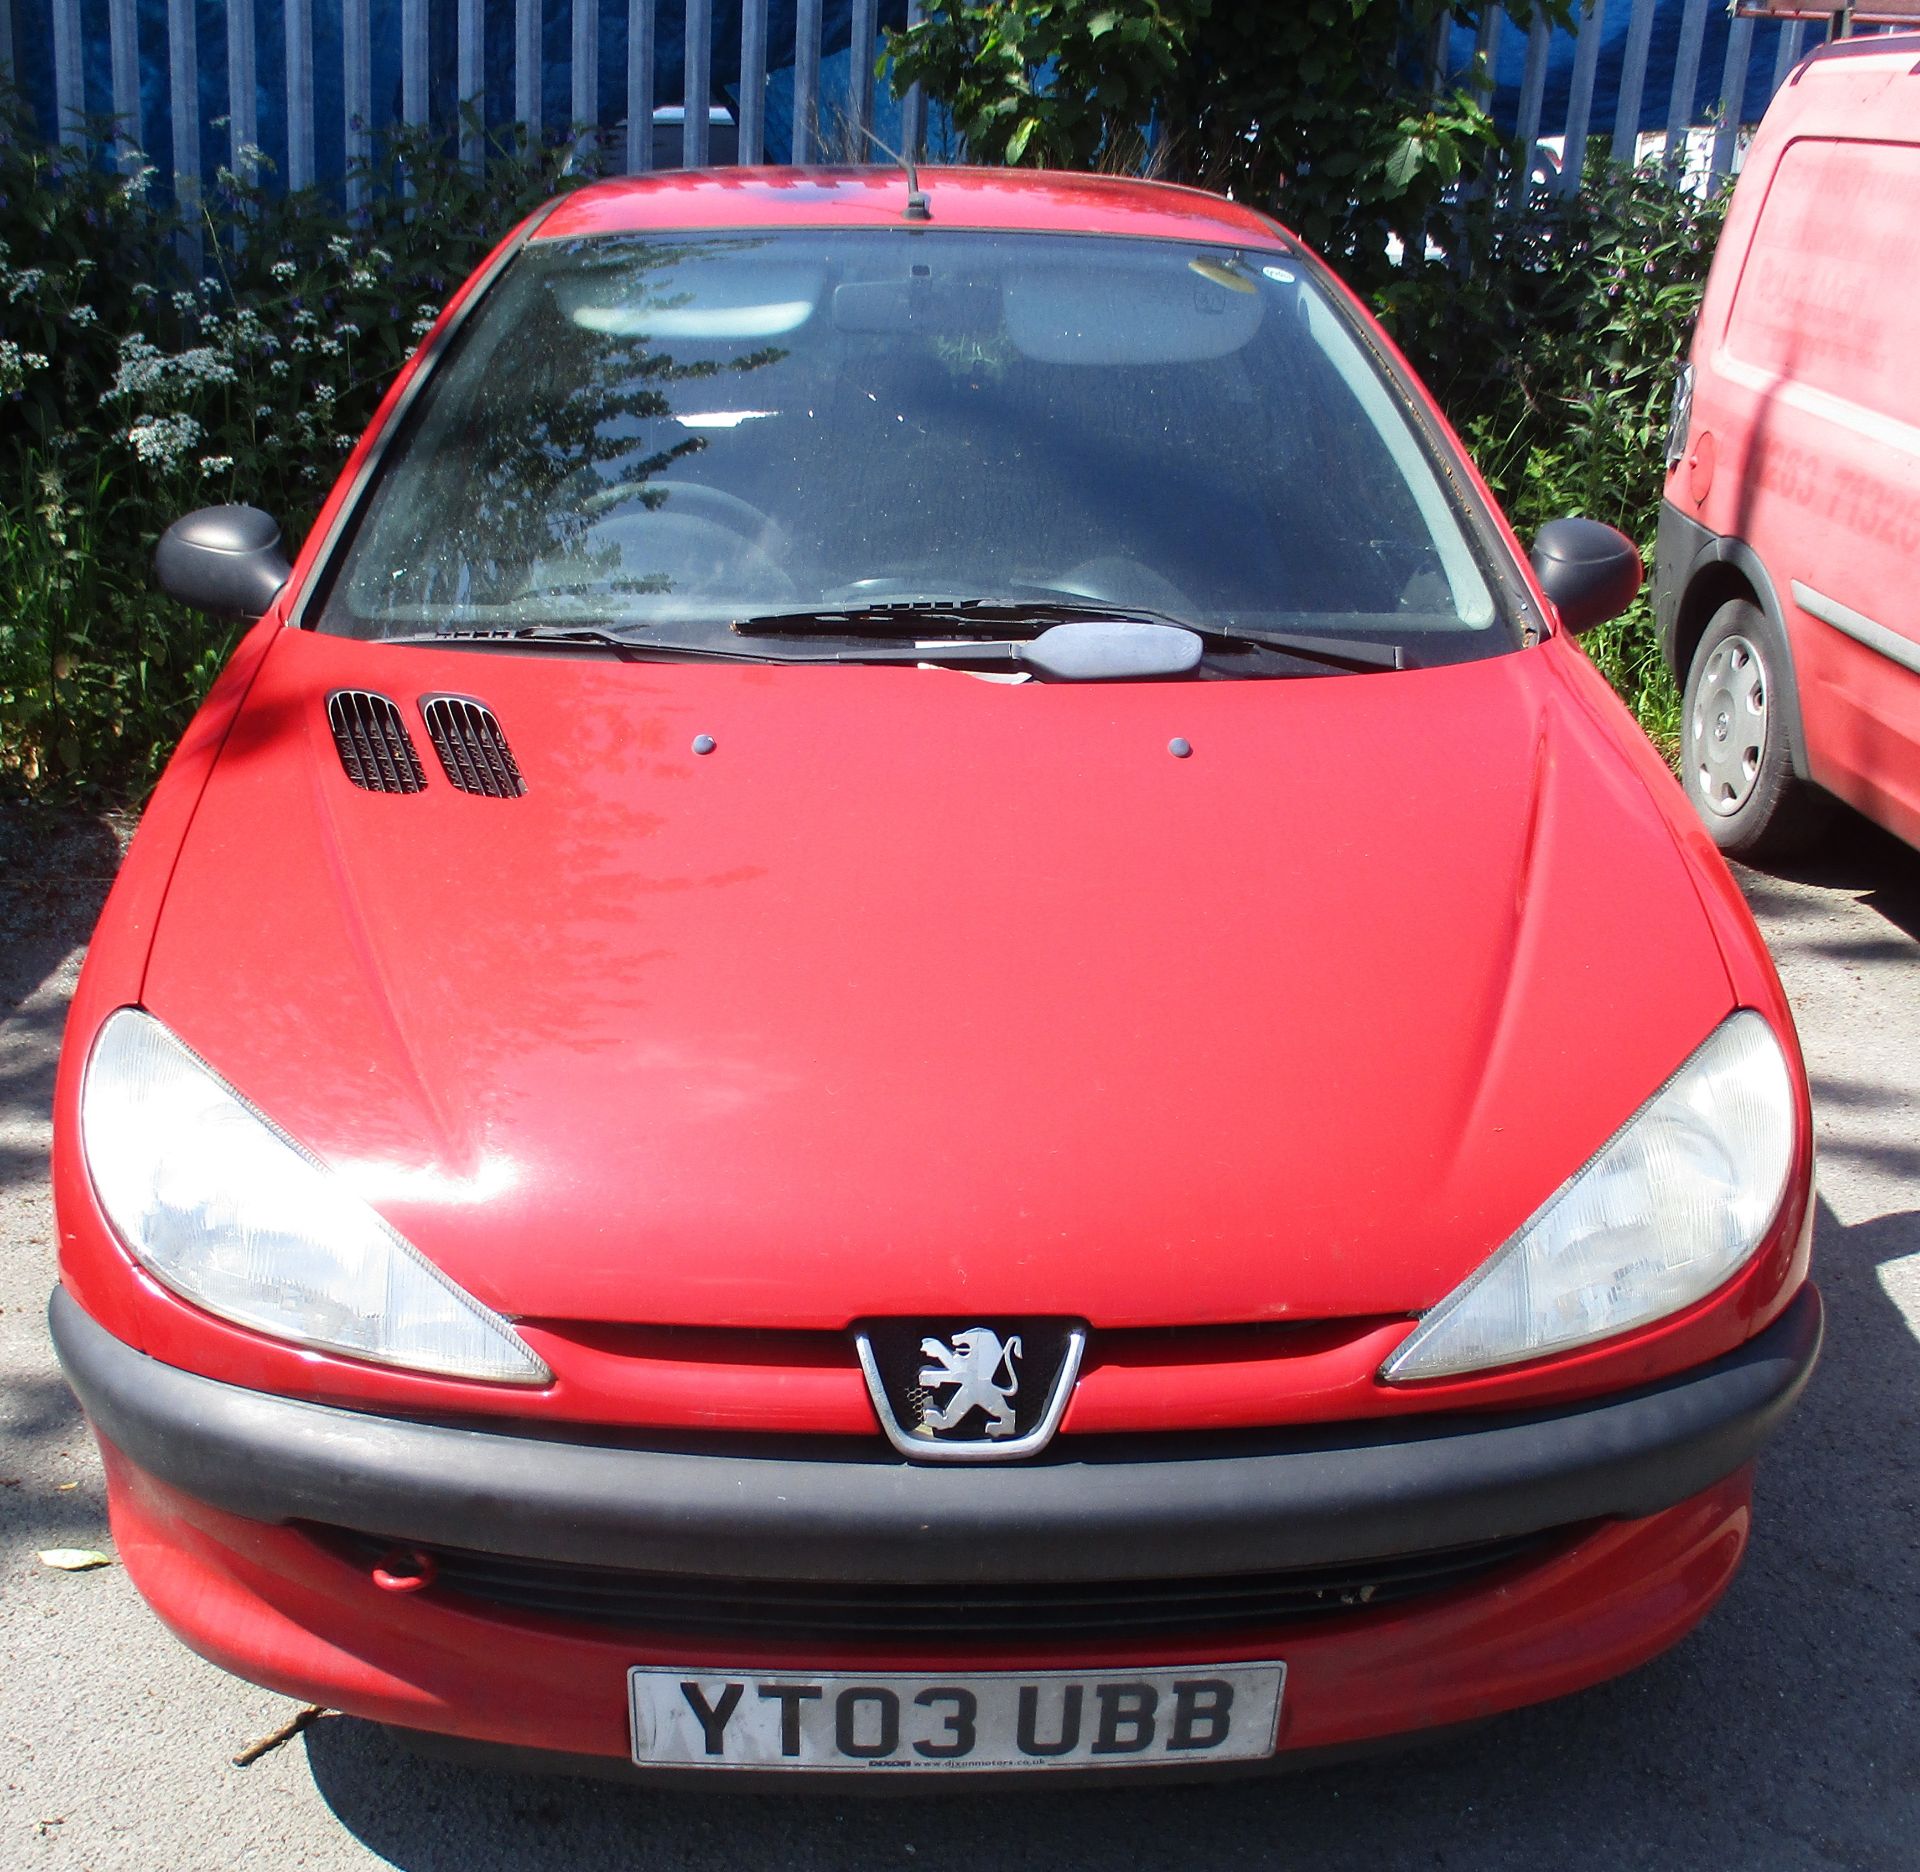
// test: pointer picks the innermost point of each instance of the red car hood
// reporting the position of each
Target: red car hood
(922, 994)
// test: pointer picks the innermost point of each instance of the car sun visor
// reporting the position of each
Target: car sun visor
(716, 305)
(1070, 315)
(1130, 315)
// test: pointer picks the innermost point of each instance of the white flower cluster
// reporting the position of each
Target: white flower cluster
(160, 441)
(148, 374)
(16, 364)
(145, 369)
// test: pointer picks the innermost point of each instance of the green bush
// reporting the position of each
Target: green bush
(1319, 109)
(1550, 337)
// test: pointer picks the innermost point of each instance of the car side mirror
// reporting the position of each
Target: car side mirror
(1590, 571)
(225, 560)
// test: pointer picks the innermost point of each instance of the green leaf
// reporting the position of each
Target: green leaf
(1404, 164)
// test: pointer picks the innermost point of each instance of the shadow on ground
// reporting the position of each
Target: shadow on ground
(54, 874)
(1746, 1746)
(1857, 857)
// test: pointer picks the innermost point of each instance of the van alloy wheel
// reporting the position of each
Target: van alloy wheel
(1728, 724)
(1736, 717)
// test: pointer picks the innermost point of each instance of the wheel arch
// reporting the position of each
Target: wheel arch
(1726, 570)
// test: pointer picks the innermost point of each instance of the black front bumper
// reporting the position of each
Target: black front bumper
(1249, 1503)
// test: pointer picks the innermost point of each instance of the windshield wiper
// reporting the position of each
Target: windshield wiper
(594, 636)
(971, 618)
(1080, 650)
(1338, 652)
(991, 616)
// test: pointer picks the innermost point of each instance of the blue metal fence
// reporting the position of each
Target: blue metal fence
(199, 83)
(196, 84)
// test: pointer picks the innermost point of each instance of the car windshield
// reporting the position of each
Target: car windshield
(640, 432)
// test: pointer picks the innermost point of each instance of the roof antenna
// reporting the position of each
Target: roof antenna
(918, 207)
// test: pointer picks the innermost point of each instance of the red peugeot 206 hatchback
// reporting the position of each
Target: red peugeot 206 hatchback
(911, 1013)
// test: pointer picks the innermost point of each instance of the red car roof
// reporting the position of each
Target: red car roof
(1016, 199)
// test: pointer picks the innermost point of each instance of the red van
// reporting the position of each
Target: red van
(1788, 591)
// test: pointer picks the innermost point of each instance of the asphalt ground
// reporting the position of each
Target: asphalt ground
(1782, 1734)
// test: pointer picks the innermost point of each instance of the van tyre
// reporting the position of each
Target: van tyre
(1734, 758)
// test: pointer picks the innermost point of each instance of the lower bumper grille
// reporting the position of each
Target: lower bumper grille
(788, 1609)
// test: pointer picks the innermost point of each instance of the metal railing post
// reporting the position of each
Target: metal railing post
(70, 72)
(1586, 65)
(1533, 91)
(124, 46)
(1733, 95)
(806, 81)
(696, 61)
(753, 81)
(356, 93)
(1686, 80)
(865, 30)
(470, 82)
(913, 107)
(527, 65)
(298, 20)
(1633, 82)
(183, 99)
(640, 52)
(586, 64)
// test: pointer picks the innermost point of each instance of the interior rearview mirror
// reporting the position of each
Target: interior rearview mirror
(225, 560)
(1590, 571)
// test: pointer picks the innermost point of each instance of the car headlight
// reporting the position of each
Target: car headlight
(1678, 1200)
(232, 1214)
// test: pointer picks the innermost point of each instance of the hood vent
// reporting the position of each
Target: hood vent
(374, 745)
(466, 736)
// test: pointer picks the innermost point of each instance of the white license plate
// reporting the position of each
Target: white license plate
(966, 1720)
